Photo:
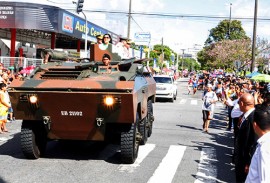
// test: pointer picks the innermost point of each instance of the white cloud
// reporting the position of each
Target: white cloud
(147, 6)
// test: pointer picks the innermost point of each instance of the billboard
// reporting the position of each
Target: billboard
(7, 15)
(48, 18)
(142, 38)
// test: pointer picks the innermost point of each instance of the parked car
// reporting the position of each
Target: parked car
(166, 87)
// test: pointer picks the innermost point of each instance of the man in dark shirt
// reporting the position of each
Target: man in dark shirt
(106, 59)
(246, 138)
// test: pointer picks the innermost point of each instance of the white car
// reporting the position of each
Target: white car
(166, 87)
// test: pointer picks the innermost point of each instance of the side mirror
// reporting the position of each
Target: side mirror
(139, 69)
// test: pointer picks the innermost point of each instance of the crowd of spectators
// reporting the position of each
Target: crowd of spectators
(247, 104)
(6, 111)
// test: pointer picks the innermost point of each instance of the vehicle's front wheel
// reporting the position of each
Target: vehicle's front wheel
(130, 140)
(33, 139)
(150, 117)
(143, 130)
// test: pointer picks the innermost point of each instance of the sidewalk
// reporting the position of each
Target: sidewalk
(13, 128)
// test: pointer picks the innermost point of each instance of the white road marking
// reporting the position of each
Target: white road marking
(219, 104)
(206, 170)
(143, 152)
(3, 139)
(194, 102)
(167, 168)
(183, 101)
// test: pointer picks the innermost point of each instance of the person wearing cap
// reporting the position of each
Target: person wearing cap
(99, 39)
(123, 48)
(209, 99)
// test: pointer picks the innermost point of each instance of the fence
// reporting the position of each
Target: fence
(14, 63)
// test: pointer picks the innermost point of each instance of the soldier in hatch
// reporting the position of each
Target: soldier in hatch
(106, 59)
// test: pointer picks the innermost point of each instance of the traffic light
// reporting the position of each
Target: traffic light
(80, 6)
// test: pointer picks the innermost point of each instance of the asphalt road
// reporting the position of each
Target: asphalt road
(178, 151)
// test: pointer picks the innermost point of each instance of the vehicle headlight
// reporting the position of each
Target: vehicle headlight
(109, 101)
(33, 99)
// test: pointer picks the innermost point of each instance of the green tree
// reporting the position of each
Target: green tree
(224, 53)
(157, 53)
(189, 63)
(226, 43)
(166, 50)
(204, 58)
(226, 29)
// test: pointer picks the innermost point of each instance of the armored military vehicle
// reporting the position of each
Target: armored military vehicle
(85, 101)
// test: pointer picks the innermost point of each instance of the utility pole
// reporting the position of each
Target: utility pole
(254, 37)
(230, 20)
(162, 52)
(177, 56)
(129, 18)
(183, 50)
(148, 55)
(177, 60)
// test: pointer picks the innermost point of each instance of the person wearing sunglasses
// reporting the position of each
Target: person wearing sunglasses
(106, 41)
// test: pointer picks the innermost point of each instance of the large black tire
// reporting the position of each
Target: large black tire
(175, 96)
(130, 143)
(33, 139)
(150, 117)
(143, 131)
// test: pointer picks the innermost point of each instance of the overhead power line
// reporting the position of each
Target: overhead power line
(178, 15)
(136, 23)
(56, 2)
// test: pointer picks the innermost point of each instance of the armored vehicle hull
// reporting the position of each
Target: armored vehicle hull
(84, 101)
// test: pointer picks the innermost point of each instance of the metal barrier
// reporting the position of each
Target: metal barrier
(14, 63)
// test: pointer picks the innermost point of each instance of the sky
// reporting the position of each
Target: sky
(178, 32)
